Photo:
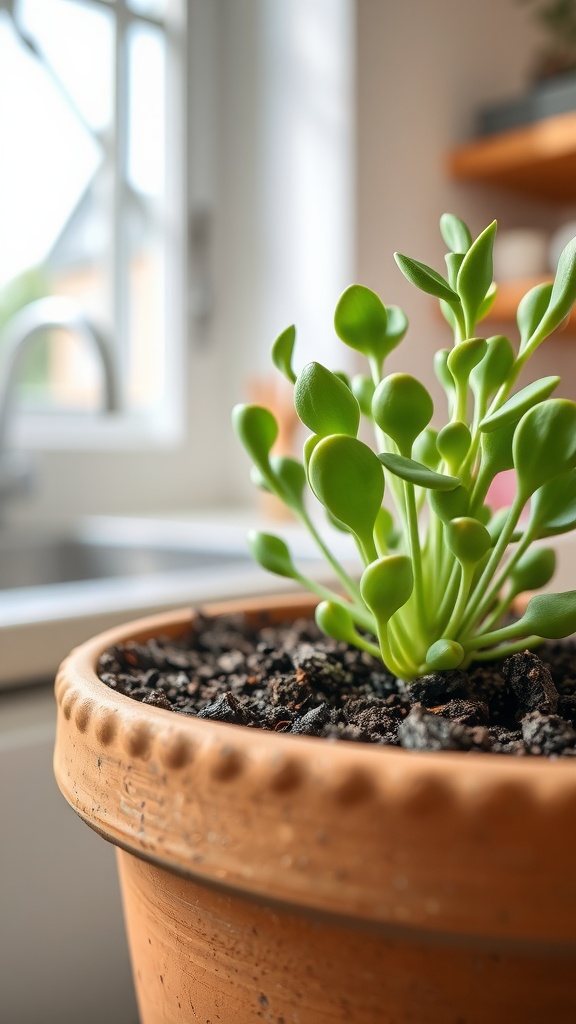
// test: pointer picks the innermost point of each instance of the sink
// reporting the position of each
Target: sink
(46, 561)
(59, 587)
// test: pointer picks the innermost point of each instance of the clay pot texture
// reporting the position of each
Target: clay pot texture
(293, 880)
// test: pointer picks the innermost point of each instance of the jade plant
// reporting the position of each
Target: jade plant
(439, 571)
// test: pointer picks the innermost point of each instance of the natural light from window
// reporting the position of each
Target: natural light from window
(83, 186)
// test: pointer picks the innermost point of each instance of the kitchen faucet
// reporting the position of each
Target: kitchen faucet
(38, 316)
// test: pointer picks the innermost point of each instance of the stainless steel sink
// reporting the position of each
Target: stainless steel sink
(32, 561)
(59, 588)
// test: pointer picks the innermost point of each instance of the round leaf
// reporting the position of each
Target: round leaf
(334, 620)
(291, 477)
(533, 570)
(363, 391)
(396, 327)
(347, 477)
(449, 505)
(519, 403)
(416, 473)
(453, 444)
(544, 444)
(442, 372)
(257, 429)
(324, 403)
(551, 616)
(361, 321)
(444, 654)
(425, 450)
(464, 357)
(272, 554)
(468, 540)
(402, 408)
(553, 507)
(386, 585)
(282, 350)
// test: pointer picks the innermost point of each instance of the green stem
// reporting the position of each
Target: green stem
(501, 579)
(507, 649)
(350, 586)
(466, 578)
(416, 554)
(493, 563)
(361, 616)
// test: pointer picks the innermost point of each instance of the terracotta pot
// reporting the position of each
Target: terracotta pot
(301, 881)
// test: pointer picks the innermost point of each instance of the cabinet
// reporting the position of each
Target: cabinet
(537, 160)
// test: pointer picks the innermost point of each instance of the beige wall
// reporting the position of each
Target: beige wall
(424, 67)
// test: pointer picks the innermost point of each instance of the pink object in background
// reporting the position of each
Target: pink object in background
(502, 490)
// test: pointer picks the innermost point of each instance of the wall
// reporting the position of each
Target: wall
(423, 69)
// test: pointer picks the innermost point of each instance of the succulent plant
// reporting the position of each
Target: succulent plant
(439, 570)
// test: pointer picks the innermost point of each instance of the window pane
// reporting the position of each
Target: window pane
(81, 206)
(146, 149)
(78, 42)
(153, 8)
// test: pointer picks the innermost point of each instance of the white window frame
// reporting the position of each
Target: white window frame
(163, 426)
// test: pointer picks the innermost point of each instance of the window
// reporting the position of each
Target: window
(92, 193)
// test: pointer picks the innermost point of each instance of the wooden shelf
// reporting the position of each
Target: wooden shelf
(509, 295)
(538, 160)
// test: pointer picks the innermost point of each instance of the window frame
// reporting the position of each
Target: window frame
(165, 424)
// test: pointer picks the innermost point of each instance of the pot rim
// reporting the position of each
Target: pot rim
(202, 783)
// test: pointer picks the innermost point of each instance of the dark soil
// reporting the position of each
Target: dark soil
(291, 679)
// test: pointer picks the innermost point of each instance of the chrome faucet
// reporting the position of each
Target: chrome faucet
(18, 333)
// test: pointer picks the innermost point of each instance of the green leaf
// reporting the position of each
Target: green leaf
(335, 621)
(442, 372)
(309, 446)
(282, 350)
(531, 310)
(324, 403)
(544, 444)
(361, 321)
(396, 327)
(402, 408)
(562, 297)
(363, 391)
(496, 446)
(425, 449)
(291, 477)
(475, 275)
(347, 477)
(416, 473)
(533, 570)
(455, 233)
(468, 540)
(445, 654)
(453, 263)
(521, 402)
(488, 302)
(495, 367)
(426, 279)
(386, 585)
(272, 554)
(551, 616)
(257, 429)
(464, 357)
(453, 444)
(449, 505)
(553, 507)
